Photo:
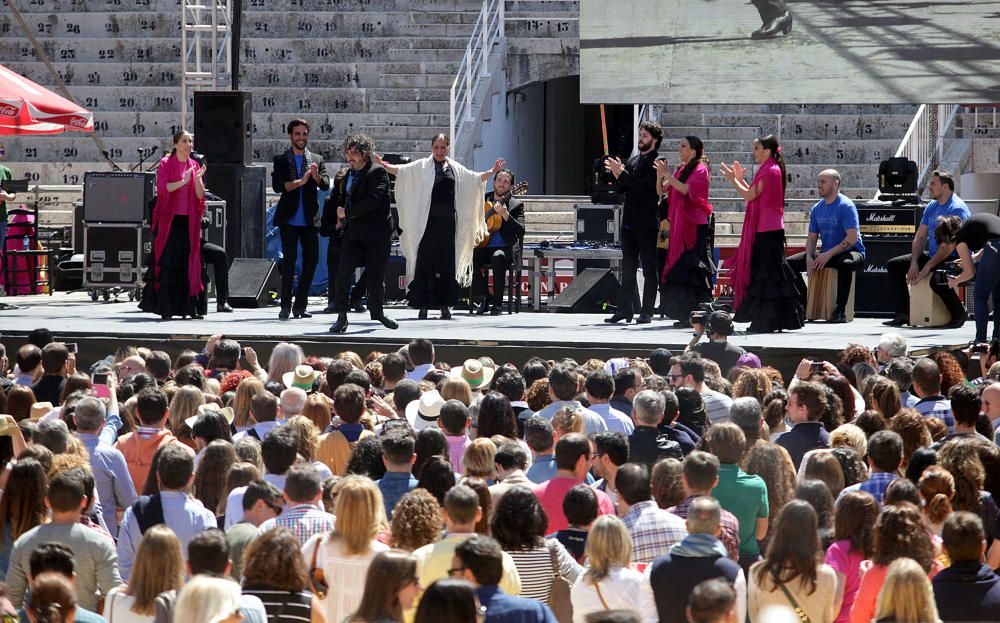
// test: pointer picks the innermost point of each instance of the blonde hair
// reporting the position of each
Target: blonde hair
(478, 458)
(609, 545)
(351, 357)
(849, 436)
(159, 567)
(906, 595)
(318, 410)
(207, 600)
(360, 514)
(456, 389)
(184, 405)
(567, 420)
(308, 436)
(245, 391)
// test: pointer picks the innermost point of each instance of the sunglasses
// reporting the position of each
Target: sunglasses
(277, 509)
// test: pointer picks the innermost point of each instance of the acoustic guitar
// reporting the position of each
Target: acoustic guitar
(493, 220)
(663, 235)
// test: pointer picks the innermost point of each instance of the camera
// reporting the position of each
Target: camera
(816, 366)
(71, 347)
(699, 317)
(939, 277)
(980, 348)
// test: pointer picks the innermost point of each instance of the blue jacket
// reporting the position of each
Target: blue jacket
(803, 437)
(504, 608)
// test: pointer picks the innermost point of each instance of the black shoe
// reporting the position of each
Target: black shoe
(387, 322)
(644, 319)
(341, 325)
(680, 324)
(284, 313)
(957, 322)
(358, 306)
(301, 313)
(423, 314)
(165, 316)
(223, 308)
(898, 321)
(197, 316)
(838, 316)
(618, 317)
(781, 24)
(483, 308)
(496, 310)
(329, 309)
(445, 313)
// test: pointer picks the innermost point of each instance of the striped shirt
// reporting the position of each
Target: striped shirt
(534, 566)
(303, 520)
(283, 606)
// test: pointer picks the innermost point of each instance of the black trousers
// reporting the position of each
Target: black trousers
(332, 262)
(769, 9)
(638, 244)
(846, 264)
(215, 256)
(498, 259)
(375, 257)
(291, 237)
(898, 267)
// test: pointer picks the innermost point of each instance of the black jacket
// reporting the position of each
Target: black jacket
(368, 217)
(289, 201)
(646, 446)
(638, 184)
(512, 230)
(967, 591)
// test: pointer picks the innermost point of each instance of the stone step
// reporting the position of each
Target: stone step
(106, 74)
(95, 50)
(409, 107)
(421, 80)
(705, 133)
(517, 8)
(831, 153)
(426, 54)
(252, 6)
(542, 28)
(407, 95)
(536, 219)
(73, 25)
(791, 109)
(265, 99)
(321, 25)
(804, 127)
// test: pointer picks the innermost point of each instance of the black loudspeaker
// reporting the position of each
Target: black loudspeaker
(216, 230)
(252, 281)
(897, 176)
(117, 197)
(243, 189)
(223, 126)
(587, 293)
(395, 278)
(872, 289)
(597, 222)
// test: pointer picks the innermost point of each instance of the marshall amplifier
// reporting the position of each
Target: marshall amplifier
(597, 223)
(872, 289)
(889, 218)
(117, 196)
(113, 254)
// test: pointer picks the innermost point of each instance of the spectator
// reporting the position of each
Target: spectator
(93, 554)
(390, 587)
(564, 386)
(816, 493)
(611, 452)
(302, 517)
(806, 404)
(437, 477)
(927, 387)
(885, 397)
(968, 590)
(599, 388)
(885, 457)
(991, 408)
(519, 526)
(667, 481)
(139, 447)
(448, 601)
(691, 410)
(580, 507)
(539, 436)
(261, 502)
(398, 450)
(416, 521)
(111, 475)
(209, 599)
(742, 494)
(22, 505)
(461, 514)
(345, 553)
(50, 559)
(746, 414)
(421, 356)
(914, 429)
(654, 531)
(57, 364)
(718, 329)
(700, 556)
(184, 405)
(27, 368)
(854, 525)
(752, 383)
(823, 465)
(510, 384)
(480, 561)
(511, 461)
(572, 460)
(628, 383)
(713, 601)
(496, 417)
(790, 575)
(647, 444)
(159, 567)
(335, 446)
(264, 411)
(937, 490)
(965, 408)
(671, 427)
(216, 458)
(275, 572)
(172, 505)
(900, 371)
(609, 583)
(454, 423)
(393, 371)
(689, 371)
(279, 450)
(701, 475)
(906, 596)
(961, 458)
(52, 600)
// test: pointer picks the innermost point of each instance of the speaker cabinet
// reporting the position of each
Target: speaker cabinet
(243, 190)
(117, 197)
(223, 126)
(587, 293)
(251, 282)
(872, 287)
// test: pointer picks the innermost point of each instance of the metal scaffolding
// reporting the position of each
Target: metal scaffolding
(206, 26)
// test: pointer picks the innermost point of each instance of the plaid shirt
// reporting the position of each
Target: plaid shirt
(730, 535)
(304, 521)
(876, 485)
(654, 530)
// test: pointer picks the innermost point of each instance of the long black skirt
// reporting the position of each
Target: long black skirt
(772, 301)
(434, 283)
(689, 282)
(171, 297)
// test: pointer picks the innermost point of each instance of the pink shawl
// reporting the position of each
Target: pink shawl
(172, 170)
(681, 212)
(771, 197)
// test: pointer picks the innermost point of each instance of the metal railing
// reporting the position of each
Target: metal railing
(487, 32)
(923, 142)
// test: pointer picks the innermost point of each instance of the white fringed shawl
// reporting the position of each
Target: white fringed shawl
(414, 183)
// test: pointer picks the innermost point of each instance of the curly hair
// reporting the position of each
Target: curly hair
(274, 560)
(307, 434)
(961, 457)
(771, 462)
(416, 520)
(951, 371)
(913, 429)
(232, 380)
(519, 522)
(870, 422)
(851, 464)
(361, 143)
(366, 458)
(774, 407)
(856, 353)
(937, 487)
(752, 382)
(537, 395)
(374, 370)
(900, 532)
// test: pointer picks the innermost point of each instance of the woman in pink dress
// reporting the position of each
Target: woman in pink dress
(765, 294)
(687, 274)
(855, 528)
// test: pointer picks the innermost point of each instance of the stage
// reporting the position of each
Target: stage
(98, 327)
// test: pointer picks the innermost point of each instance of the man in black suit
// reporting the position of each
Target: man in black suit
(636, 181)
(298, 174)
(499, 251)
(333, 228)
(367, 230)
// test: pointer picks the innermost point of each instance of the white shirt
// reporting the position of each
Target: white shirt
(262, 428)
(419, 372)
(234, 503)
(617, 421)
(118, 608)
(344, 574)
(623, 589)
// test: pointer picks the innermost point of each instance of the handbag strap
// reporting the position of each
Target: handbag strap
(803, 617)
(597, 586)
(553, 557)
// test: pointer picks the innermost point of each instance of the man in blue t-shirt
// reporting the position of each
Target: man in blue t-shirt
(834, 222)
(911, 268)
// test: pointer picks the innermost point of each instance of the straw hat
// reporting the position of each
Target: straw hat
(302, 377)
(40, 410)
(226, 412)
(475, 373)
(423, 412)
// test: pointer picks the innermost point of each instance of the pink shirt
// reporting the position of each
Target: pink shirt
(846, 561)
(456, 450)
(771, 200)
(551, 494)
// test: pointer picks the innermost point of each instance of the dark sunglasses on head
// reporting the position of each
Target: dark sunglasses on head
(277, 509)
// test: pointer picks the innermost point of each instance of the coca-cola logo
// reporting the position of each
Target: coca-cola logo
(8, 110)
(77, 122)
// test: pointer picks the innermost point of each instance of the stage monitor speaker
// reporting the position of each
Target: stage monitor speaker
(898, 176)
(243, 189)
(223, 126)
(587, 293)
(252, 281)
(873, 287)
(117, 196)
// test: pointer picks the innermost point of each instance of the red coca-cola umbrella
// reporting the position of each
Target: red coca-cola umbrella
(27, 108)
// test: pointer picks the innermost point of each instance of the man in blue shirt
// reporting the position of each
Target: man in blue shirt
(111, 476)
(480, 561)
(398, 452)
(834, 221)
(917, 265)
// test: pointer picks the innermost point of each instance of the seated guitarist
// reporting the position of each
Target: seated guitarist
(499, 250)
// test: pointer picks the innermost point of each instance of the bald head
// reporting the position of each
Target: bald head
(991, 401)
(828, 184)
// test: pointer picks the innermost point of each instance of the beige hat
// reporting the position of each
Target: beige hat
(226, 412)
(302, 377)
(40, 410)
(424, 411)
(475, 373)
